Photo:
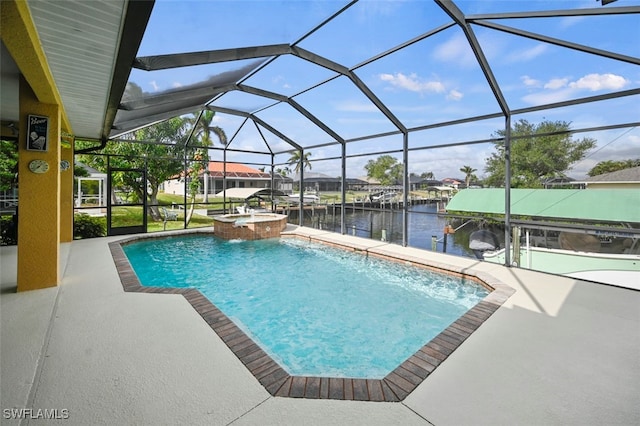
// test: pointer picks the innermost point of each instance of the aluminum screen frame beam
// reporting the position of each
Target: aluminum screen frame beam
(295, 105)
(132, 33)
(558, 42)
(557, 13)
(456, 14)
(189, 59)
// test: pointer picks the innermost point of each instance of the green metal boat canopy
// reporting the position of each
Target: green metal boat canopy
(601, 205)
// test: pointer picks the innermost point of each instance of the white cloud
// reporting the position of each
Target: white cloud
(595, 82)
(527, 54)
(454, 95)
(574, 20)
(571, 21)
(412, 83)
(447, 162)
(556, 83)
(154, 85)
(176, 85)
(531, 82)
(612, 149)
(561, 89)
(542, 98)
(279, 80)
(455, 50)
(371, 9)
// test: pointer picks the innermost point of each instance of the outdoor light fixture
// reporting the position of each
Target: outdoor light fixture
(13, 128)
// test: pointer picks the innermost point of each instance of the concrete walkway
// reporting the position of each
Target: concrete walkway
(559, 351)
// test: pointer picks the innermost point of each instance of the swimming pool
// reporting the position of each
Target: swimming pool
(259, 279)
(317, 310)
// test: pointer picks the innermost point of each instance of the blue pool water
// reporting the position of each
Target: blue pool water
(316, 310)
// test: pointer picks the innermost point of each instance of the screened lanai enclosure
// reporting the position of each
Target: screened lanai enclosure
(392, 108)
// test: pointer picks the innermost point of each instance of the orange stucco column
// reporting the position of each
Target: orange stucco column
(38, 199)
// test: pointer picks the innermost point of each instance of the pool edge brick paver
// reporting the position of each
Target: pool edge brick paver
(395, 387)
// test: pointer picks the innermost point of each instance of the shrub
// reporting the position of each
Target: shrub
(8, 231)
(85, 226)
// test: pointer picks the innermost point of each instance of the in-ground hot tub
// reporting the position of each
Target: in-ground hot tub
(254, 226)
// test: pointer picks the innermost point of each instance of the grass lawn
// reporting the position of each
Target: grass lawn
(335, 196)
(215, 203)
(197, 221)
(131, 216)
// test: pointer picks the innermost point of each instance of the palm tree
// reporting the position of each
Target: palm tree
(468, 171)
(203, 130)
(283, 171)
(427, 175)
(296, 160)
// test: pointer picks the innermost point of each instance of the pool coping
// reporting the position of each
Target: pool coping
(394, 387)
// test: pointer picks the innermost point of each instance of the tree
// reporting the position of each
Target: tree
(427, 175)
(162, 161)
(468, 174)
(8, 163)
(385, 169)
(548, 151)
(295, 160)
(202, 132)
(79, 171)
(204, 129)
(609, 166)
(199, 162)
(283, 171)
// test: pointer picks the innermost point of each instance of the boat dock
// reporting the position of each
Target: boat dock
(357, 205)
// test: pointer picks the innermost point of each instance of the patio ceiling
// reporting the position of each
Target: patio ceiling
(88, 49)
(91, 49)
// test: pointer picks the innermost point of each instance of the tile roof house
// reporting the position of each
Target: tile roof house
(455, 183)
(235, 170)
(237, 176)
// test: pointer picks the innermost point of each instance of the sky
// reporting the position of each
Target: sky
(436, 79)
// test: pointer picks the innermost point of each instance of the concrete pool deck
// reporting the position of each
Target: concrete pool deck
(558, 351)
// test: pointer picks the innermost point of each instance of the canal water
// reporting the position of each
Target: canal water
(423, 224)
